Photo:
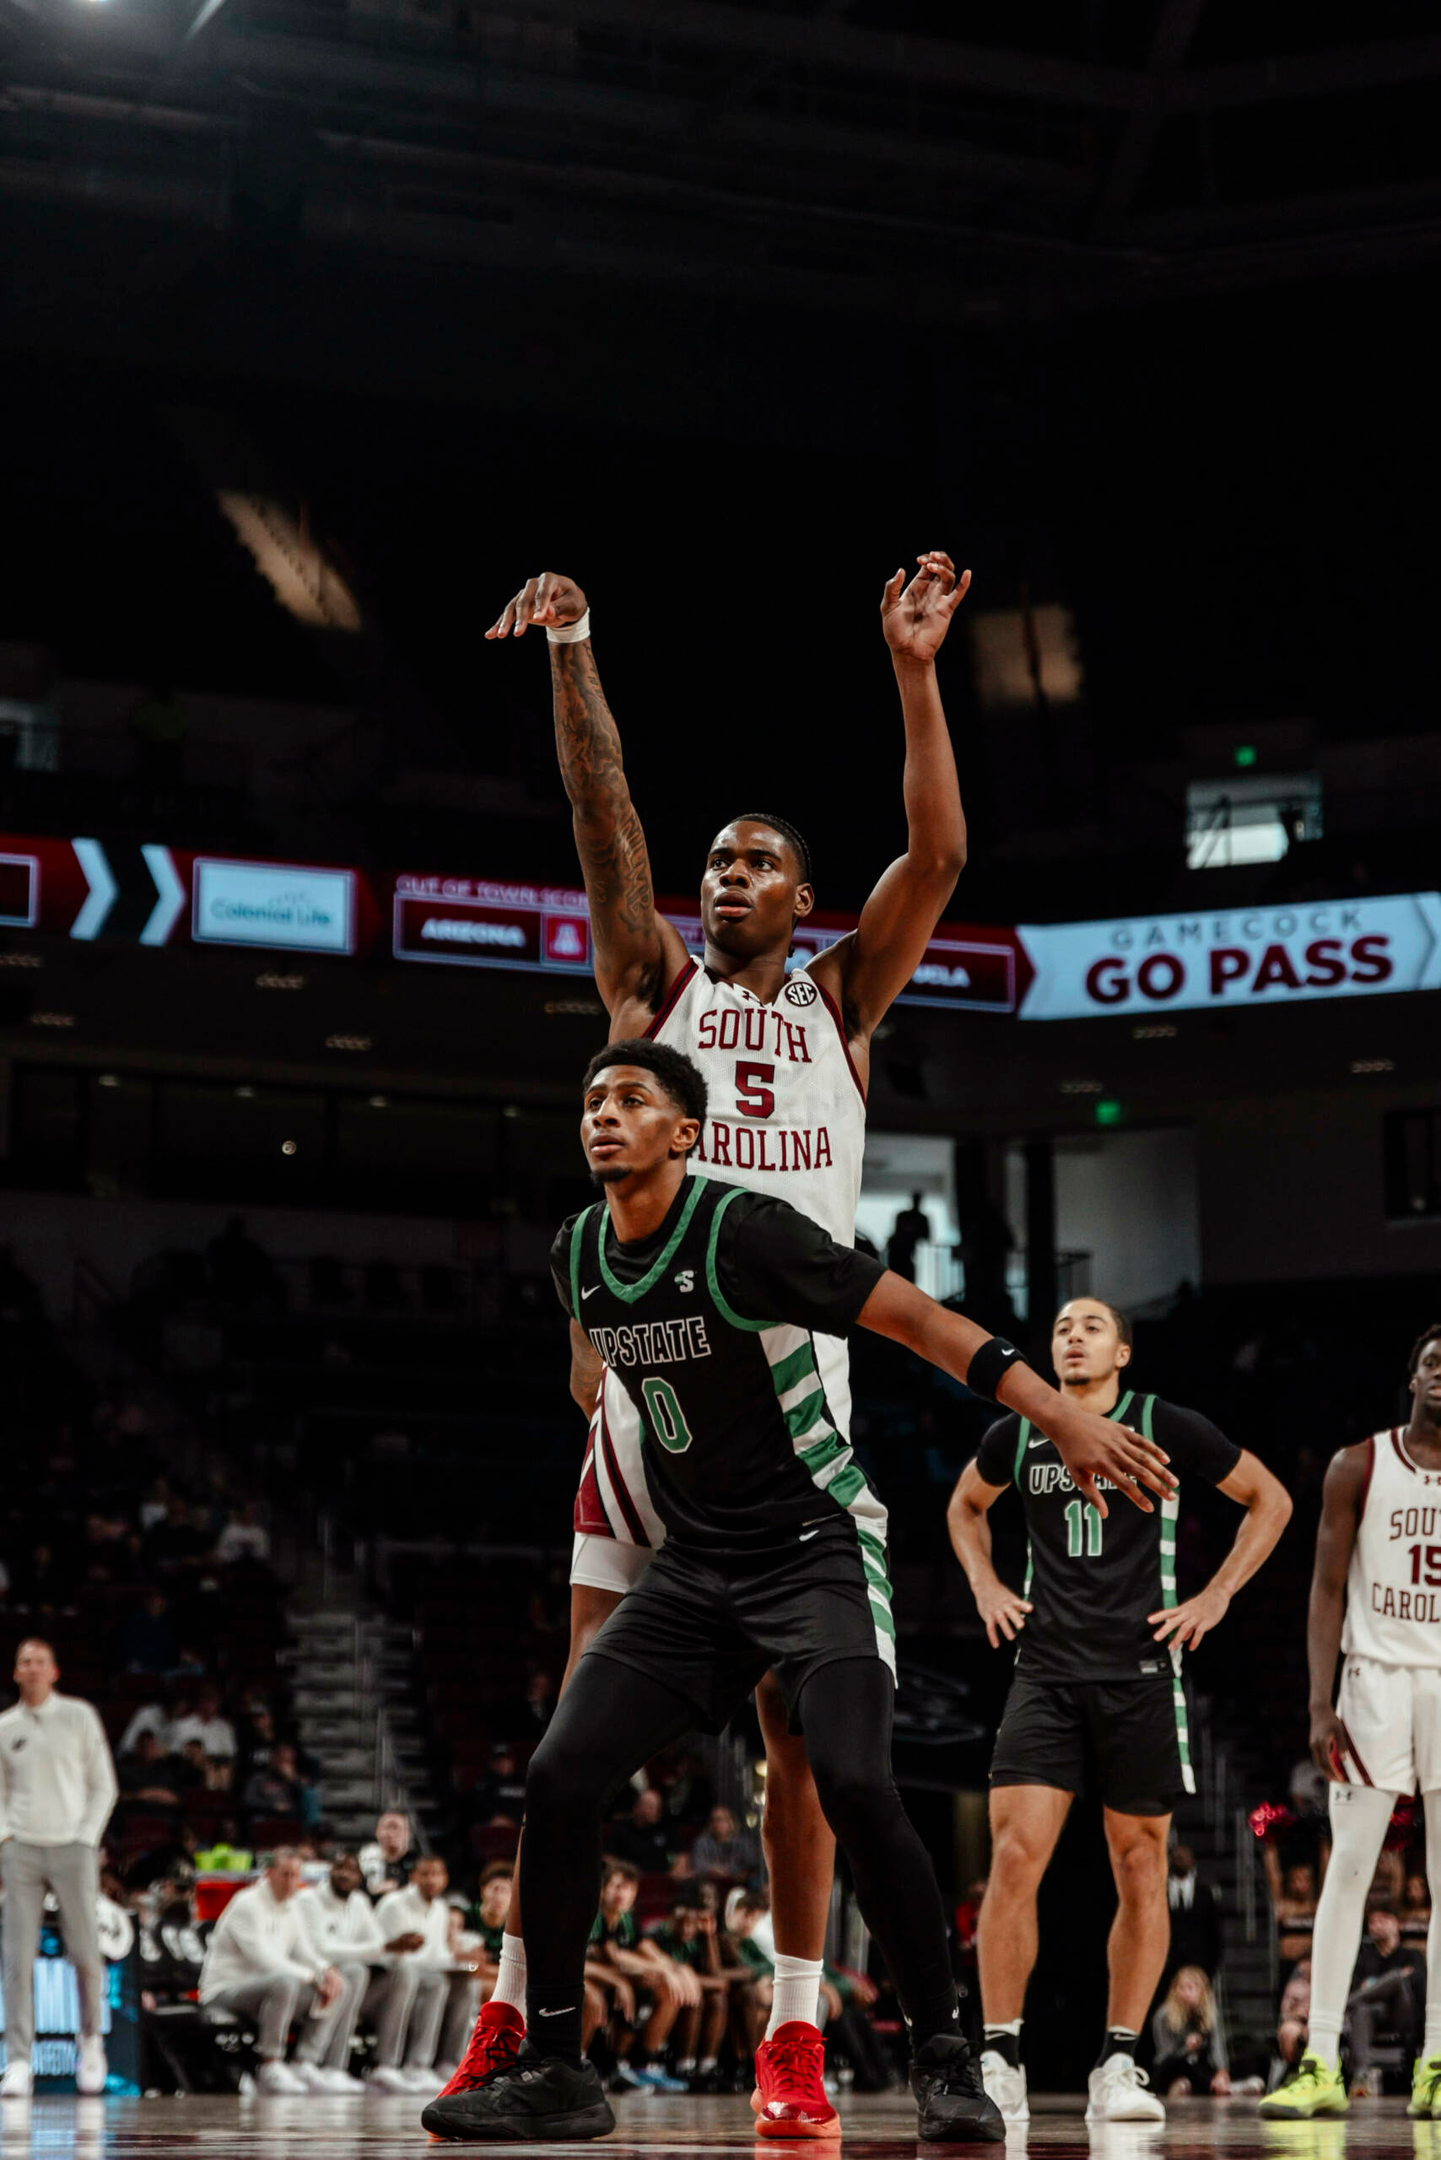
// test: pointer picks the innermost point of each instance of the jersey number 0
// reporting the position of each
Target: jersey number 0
(667, 1419)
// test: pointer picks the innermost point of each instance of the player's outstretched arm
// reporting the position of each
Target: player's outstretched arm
(875, 963)
(1335, 1538)
(1268, 1510)
(638, 954)
(1002, 1611)
(1091, 1447)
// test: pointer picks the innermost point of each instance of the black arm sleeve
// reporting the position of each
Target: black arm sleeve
(996, 1455)
(560, 1263)
(773, 1263)
(1193, 1443)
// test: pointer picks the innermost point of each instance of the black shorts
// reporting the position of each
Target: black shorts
(710, 1626)
(1125, 1740)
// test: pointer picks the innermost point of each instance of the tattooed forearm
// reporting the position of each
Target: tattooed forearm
(607, 829)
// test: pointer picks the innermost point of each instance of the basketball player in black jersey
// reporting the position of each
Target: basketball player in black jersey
(706, 1299)
(756, 886)
(1097, 1698)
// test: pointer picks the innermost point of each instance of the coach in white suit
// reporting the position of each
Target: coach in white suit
(57, 1788)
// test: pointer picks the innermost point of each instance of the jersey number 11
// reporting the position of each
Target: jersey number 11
(1079, 1513)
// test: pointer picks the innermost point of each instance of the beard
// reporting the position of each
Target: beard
(610, 1175)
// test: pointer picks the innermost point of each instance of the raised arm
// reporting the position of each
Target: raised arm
(1335, 1539)
(638, 954)
(1002, 1611)
(1090, 1446)
(874, 964)
(1268, 1510)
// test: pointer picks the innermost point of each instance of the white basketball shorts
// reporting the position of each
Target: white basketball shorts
(1391, 1718)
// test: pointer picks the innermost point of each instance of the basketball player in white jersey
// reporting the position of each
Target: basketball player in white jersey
(786, 1057)
(1379, 1546)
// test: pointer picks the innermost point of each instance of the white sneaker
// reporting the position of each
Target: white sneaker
(341, 2081)
(419, 2077)
(91, 2068)
(388, 2078)
(278, 2077)
(1117, 2093)
(311, 2076)
(17, 2083)
(1007, 2087)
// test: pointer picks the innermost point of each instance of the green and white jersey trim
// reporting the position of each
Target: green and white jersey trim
(1170, 1511)
(827, 1454)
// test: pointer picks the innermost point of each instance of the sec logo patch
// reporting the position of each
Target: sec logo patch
(800, 990)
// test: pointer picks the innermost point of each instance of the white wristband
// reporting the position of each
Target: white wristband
(569, 633)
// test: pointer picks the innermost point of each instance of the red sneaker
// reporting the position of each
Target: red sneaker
(499, 2030)
(790, 2096)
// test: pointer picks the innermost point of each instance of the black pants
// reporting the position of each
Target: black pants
(612, 1719)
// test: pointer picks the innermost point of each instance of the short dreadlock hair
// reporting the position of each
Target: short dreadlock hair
(1427, 1335)
(679, 1075)
(787, 832)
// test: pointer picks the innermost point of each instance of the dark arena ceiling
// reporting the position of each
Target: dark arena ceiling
(187, 178)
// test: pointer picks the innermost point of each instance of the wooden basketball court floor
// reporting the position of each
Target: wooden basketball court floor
(315, 2128)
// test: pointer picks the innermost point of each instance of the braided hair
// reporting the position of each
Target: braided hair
(787, 832)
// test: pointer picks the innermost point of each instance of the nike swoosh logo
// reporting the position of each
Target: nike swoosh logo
(583, 1296)
(808, 1534)
(564, 2011)
(1042, 1442)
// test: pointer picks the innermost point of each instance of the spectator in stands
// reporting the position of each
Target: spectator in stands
(499, 1796)
(57, 1788)
(275, 1788)
(241, 1272)
(748, 1923)
(669, 1988)
(1293, 1899)
(207, 1724)
(1195, 1915)
(1416, 1909)
(244, 1536)
(642, 1839)
(153, 1717)
(1189, 2054)
(488, 1918)
(689, 1937)
(1292, 2021)
(148, 1772)
(445, 1991)
(149, 1643)
(43, 1584)
(724, 1849)
(386, 1862)
(1388, 1993)
(156, 1504)
(344, 1925)
(225, 1855)
(260, 1963)
(540, 1701)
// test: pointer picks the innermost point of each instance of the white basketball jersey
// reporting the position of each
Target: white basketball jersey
(787, 1115)
(1393, 1586)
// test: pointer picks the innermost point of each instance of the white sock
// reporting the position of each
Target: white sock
(510, 1980)
(1431, 2042)
(797, 1992)
(1360, 1816)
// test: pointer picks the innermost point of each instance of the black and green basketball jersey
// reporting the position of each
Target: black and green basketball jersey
(1093, 1580)
(710, 1326)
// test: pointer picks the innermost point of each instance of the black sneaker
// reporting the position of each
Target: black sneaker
(951, 2103)
(536, 2098)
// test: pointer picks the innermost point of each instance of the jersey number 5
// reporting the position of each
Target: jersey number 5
(754, 1097)
(1082, 1520)
(667, 1419)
